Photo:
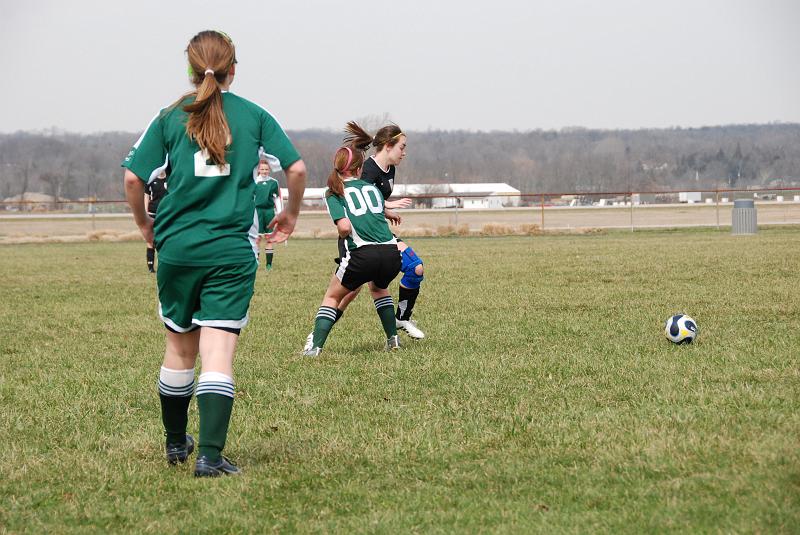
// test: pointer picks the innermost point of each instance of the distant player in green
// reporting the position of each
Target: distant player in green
(268, 202)
(205, 235)
(356, 208)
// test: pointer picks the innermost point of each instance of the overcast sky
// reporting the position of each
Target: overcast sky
(89, 66)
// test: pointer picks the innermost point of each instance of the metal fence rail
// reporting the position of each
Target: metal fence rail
(522, 213)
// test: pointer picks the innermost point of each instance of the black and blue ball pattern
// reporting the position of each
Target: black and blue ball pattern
(680, 329)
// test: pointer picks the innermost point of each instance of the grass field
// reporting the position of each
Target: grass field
(545, 398)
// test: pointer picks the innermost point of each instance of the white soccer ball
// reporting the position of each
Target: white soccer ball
(680, 329)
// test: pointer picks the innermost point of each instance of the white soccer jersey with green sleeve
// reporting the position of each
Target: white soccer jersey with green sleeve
(208, 218)
(362, 204)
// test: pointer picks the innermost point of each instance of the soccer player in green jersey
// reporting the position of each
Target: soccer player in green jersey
(379, 169)
(205, 236)
(357, 209)
(268, 202)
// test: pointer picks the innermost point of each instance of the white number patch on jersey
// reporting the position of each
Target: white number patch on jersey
(203, 169)
(359, 203)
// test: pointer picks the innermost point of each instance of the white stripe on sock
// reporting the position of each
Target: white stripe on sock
(176, 382)
(384, 302)
(214, 383)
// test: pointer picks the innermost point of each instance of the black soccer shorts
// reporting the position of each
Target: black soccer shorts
(379, 264)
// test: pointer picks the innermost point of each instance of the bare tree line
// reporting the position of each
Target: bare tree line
(74, 166)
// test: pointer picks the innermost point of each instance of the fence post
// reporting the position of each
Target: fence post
(717, 199)
(630, 198)
(542, 203)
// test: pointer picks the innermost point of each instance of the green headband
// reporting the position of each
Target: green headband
(225, 36)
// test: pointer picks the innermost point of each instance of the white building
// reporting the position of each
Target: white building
(491, 195)
(311, 196)
(690, 196)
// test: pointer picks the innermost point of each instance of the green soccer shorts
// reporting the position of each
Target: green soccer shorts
(265, 215)
(205, 296)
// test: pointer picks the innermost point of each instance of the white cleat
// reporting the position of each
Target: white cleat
(313, 352)
(309, 341)
(410, 327)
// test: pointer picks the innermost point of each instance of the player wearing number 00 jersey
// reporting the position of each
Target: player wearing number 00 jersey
(356, 208)
(379, 169)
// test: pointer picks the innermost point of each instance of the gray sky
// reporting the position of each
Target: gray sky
(89, 66)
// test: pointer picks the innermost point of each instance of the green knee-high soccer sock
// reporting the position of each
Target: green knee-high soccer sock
(326, 317)
(175, 391)
(269, 253)
(214, 403)
(385, 308)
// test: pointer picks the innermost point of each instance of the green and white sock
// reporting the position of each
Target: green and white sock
(385, 308)
(175, 391)
(215, 404)
(326, 317)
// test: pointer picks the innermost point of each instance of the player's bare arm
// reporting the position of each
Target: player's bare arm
(405, 202)
(283, 223)
(344, 227)
(134, 193)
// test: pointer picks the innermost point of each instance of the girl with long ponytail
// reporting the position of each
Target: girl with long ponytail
(379, 169)
(370, 250)
(205, 237)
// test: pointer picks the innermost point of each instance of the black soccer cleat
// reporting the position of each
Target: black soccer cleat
(178, 452)
(203, 467)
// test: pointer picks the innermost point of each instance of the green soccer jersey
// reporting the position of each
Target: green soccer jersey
(266, 191)
(362, 204)
(209, 216)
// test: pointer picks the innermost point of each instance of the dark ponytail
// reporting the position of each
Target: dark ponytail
(357, 137)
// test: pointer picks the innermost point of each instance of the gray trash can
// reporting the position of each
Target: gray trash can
(744, 217)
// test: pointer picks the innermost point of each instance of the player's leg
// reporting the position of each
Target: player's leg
(175, 389)
(151, 252)
(269, 252)
(215, 389)
(413, 274)
(151, 258)
(338, 311)
(177, 285)
(326, 316)
(387, 267)
(351, 296)
(340, 307)
(223, 312)
(385, 309)
(261, 215)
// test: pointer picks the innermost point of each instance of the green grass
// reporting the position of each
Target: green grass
(545, 398)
